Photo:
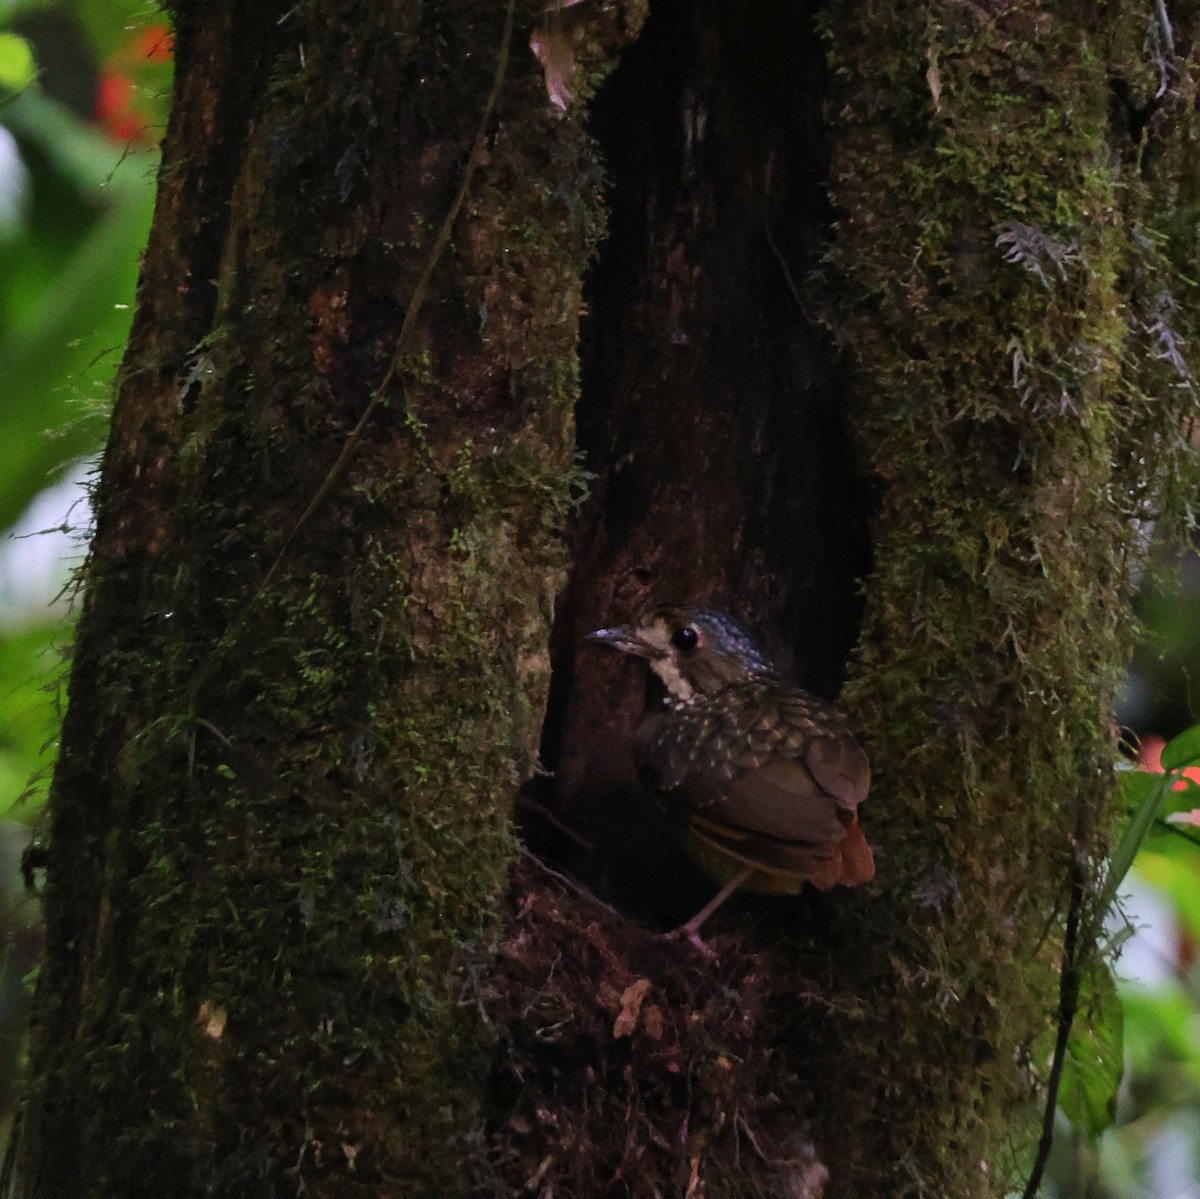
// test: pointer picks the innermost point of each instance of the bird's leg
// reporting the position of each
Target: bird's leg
(691, 930)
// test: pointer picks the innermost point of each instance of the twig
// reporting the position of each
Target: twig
(1076, 950)
(773, 245)
(525, 804)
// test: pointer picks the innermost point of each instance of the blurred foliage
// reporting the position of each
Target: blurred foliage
(17, 68)
(84, 90)
(80, 210)
(1135, 1133)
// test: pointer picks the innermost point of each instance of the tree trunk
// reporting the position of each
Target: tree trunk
(312, 662)
(878, 350)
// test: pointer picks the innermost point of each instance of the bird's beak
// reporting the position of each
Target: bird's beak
(624, 638)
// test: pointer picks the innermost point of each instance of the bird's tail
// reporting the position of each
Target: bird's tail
(858, 862)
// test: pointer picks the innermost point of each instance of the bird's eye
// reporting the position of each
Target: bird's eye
(685, 639)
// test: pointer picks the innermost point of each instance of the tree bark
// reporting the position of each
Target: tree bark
(877, 353)
(311, 665)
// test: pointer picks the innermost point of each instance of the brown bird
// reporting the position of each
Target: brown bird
(764, 779)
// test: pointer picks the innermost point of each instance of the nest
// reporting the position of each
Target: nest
(632, 1064)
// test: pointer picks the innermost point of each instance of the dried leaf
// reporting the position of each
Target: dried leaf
(653, 1022)
(935, 84)
(631, 1005)
(552, 47)
(212, 1019)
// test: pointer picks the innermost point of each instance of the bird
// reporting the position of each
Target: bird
(762, 778)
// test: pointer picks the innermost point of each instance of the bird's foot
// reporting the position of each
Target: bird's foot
(690, 932)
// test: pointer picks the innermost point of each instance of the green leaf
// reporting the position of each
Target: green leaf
(1095, 1061)
(17, 68)
(1142, 793)
(1135, 787)
(1183, 750)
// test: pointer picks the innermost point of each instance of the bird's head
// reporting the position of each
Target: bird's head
(694, 651)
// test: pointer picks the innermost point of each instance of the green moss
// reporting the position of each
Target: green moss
(993, 279)
(318, 721)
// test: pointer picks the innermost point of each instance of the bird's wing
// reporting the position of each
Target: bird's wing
(771, 782)
(808, 728)
(781, 864)
(840, 766)
(780, 799)
(781, 769)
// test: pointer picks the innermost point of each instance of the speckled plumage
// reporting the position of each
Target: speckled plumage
(765, 778)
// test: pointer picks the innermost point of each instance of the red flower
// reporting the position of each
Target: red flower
(118, 109)
(115, 110)
(1150, 759)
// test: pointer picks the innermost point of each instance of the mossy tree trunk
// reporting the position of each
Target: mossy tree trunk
(311, 666)
(316, 645)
